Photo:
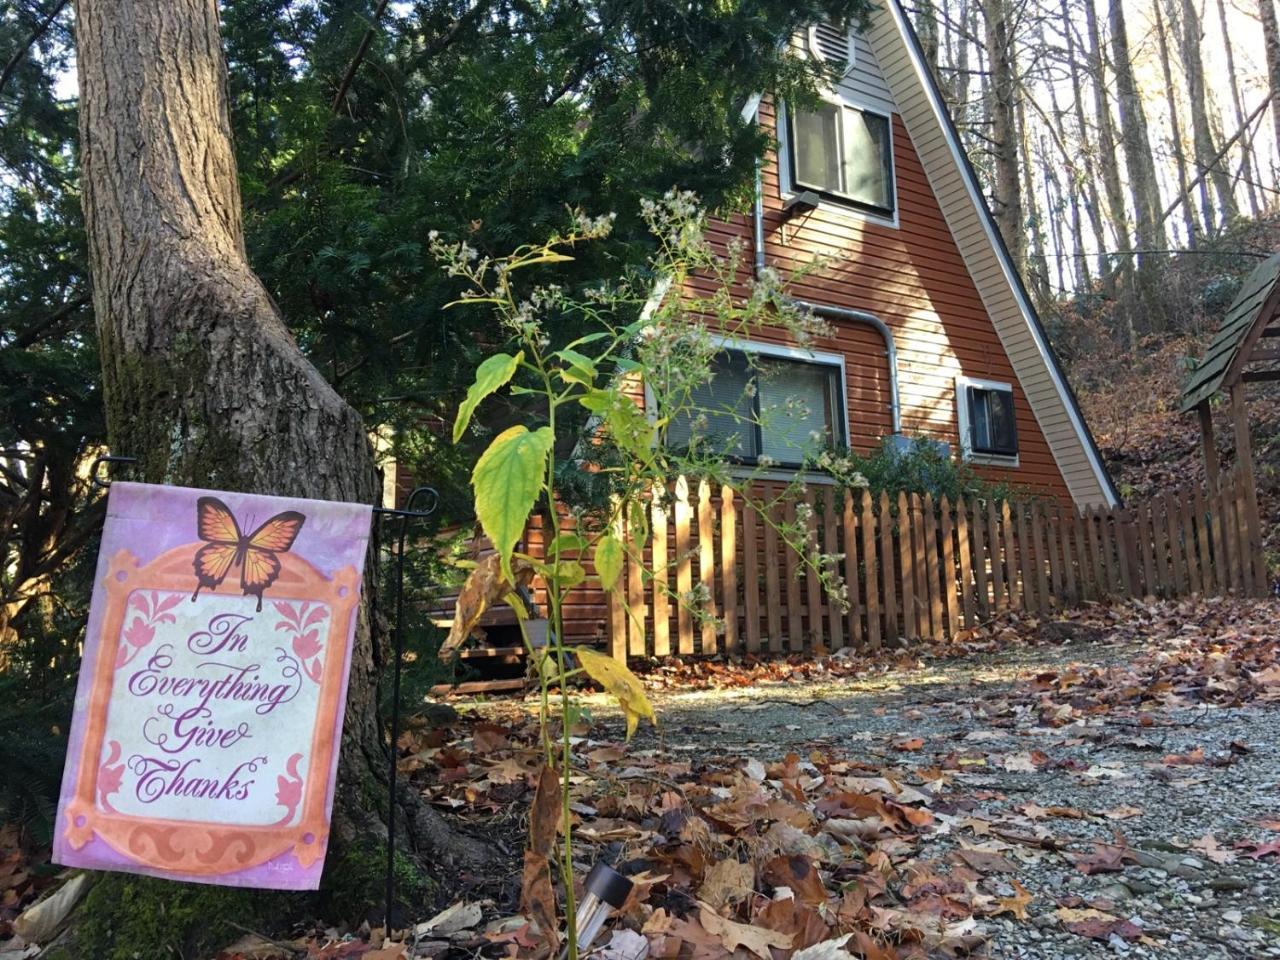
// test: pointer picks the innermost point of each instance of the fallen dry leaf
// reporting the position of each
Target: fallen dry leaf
(727, 882)
(1208, 845)
(1017, 904)
(733, 935)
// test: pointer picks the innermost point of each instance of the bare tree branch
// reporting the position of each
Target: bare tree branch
(35, 36)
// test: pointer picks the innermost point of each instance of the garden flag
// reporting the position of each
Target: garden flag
(209, 710)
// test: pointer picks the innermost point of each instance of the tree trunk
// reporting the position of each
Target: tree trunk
(1179, 150)
(1201, 130)
(1037, 269)
(1252, 179)
(1006, 181)
(1136, 143)
(927, 29)
(1085, 176)
(1271, 37)
(1055, 205)
(960, 85)
(1107, 156)
(203, 381)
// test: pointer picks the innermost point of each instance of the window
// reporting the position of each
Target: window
(843, 152)
(987, 426)
(765, 408)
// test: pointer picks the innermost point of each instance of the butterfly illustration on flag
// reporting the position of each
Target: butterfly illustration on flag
(257, 554)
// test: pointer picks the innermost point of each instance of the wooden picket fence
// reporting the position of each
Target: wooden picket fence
(714, 577)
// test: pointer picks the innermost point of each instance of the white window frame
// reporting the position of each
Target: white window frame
(963, 384)
(788, 188)
(783, 352)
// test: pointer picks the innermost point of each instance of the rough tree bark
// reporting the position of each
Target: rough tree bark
(1006, 182)
(1083, 177)
(203, 381)
(928, 29)
(1037, 267)
(960, 85)
(1189, 219)
(1271, 37)
(1108, 160)
(1201, 130)
(1136, 142)
(1252, 178)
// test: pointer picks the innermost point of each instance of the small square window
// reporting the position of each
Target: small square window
(987, 424)
(845, 153)
(761, 406)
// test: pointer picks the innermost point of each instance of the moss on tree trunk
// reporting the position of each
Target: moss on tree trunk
(206, 386)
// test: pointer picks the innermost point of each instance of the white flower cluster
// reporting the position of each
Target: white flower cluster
(593, 228)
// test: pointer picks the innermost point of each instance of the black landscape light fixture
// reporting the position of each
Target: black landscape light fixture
(604, 891)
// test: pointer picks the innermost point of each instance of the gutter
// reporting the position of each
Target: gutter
(823, 310)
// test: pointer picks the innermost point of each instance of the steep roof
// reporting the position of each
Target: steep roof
(954, 182)
(1255, 306)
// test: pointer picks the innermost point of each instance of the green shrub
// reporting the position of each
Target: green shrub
(922, 466)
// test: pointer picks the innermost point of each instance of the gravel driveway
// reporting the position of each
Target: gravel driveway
(980, 719)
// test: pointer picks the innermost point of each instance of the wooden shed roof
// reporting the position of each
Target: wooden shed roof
(1235, 342)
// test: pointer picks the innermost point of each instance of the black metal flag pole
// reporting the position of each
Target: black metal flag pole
(397, 643)
(406, 515)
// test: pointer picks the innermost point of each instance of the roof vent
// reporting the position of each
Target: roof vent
(831, 44)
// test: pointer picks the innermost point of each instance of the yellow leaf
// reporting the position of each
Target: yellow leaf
(621, 682)
(1017, 904)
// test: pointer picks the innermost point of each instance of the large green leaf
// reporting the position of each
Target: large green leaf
(490, 375)
(507, 480)
(609, 560)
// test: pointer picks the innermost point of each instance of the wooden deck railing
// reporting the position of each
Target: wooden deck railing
(914, 568)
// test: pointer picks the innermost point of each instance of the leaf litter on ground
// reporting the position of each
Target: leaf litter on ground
(885, 844)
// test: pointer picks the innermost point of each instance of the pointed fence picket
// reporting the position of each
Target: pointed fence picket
(912, 568)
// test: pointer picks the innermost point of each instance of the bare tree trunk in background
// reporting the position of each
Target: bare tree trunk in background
(985, 108)
(1037, 264)
(1208, 217)
(960, 85)
(1271, 36)
(1006, 181)
(1085, 176)
(1136, 143)
(927, 30)
(203, 381)
(1252, 178)
(1070, 197)
(1054, 204)
(1202, 132)
(1107, 158)
(1179, 150)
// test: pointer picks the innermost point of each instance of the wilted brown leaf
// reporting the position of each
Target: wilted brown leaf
(733, 935)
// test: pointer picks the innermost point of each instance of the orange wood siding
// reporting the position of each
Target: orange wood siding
(913, 278)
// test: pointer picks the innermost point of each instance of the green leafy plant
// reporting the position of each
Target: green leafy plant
(580, 403)
(921, 466)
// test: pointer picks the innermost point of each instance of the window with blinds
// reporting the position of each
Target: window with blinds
(757, 409)
(845, 153)
(987, 425)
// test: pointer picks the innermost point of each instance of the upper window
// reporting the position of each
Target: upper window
(765, 409)
(987, 426)
(844, 152)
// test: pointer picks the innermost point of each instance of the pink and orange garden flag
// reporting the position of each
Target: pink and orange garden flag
(208, 714)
